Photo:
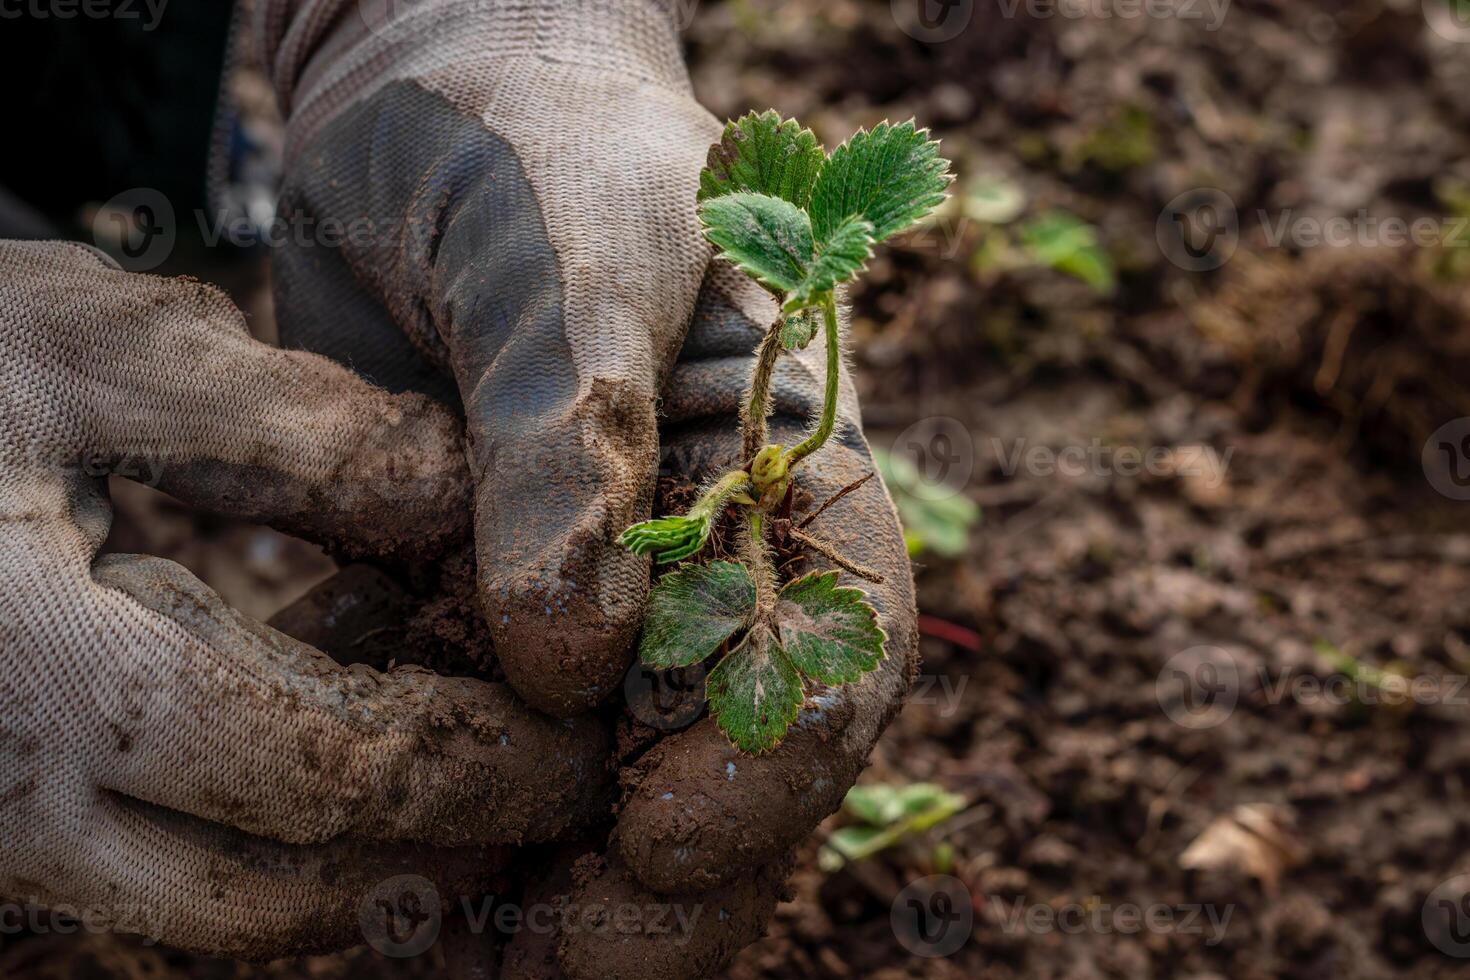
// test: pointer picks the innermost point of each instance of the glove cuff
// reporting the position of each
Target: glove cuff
(311, 46)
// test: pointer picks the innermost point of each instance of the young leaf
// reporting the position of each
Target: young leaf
(849, 844)
(798, 329)
(767, 237)
(762, 153)
(841, 258)
(1068, 244)
(891, 177)
(831, 634)
(933, 516)
(874, 803)
(667, 538)
(881, 804)
(755, 692)
(693, 610)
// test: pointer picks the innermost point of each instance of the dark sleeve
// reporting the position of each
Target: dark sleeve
(95, 105)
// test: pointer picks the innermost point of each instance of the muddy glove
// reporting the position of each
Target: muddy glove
(165, 763)
(512, 185)
(705, 830)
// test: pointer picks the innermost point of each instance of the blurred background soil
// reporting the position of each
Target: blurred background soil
(1284, 390)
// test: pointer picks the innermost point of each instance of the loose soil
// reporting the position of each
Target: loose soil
(1312, 374)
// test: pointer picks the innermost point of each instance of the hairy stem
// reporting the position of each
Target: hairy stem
(762, 568)
(828, 420)
(836, 557)
(717, 496)
(758, 396)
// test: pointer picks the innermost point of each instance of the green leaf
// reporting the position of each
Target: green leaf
(851, 844)
(798, 329)
(875, 803)
(693, 610)
(755, 692)
(769, 238)
(840, 259)
(890, 177)
(762, 153)
(831, 634)
(668, 538)
(932, 518)
(1068, 244)
(880, 804)
(993, 201)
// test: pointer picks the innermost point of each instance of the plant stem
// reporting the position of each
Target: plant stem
(762, 568)
(836, 557)
(758, 396)
(717, 496)
(828, 420)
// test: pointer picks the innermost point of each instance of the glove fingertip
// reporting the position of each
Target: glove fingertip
(561, 653)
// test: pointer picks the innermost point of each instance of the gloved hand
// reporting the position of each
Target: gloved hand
(703, 826)
(515, 182)
(165, 763)
(522, 178)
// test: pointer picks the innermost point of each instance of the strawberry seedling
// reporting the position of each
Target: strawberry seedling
(801, 223)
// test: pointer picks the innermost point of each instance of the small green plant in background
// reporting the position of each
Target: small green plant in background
(1066, 243)
(1054, 239)
(931, 522)
(801, 223)
(884, 815)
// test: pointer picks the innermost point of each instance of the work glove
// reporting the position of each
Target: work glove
(703, 826)
(508, 189)
(168, 766)
(522, 179)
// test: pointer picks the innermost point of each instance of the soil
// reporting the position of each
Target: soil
(1282, 526)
